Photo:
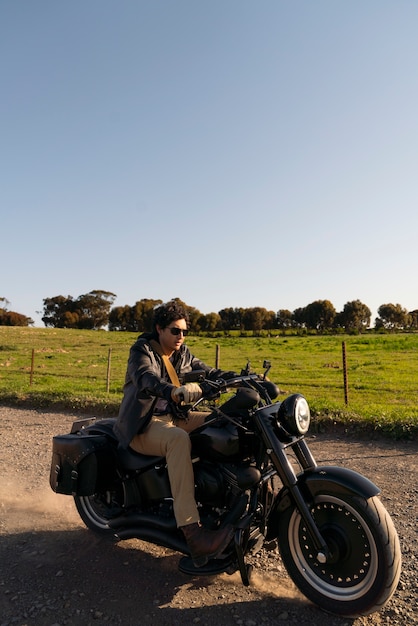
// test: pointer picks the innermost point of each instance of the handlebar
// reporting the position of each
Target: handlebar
(263, 389)
(267, 390)
(212, 388)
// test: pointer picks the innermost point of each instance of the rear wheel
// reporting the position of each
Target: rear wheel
(97, 510)
(364, 568)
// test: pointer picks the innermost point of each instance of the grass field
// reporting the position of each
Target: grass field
(84, 370)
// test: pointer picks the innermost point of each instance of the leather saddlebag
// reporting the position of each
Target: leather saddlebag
(75, 463)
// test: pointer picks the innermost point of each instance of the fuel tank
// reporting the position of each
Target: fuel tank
(216, 443)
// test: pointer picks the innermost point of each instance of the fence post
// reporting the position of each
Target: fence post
(345, 374)
(32, 367)
(217, 355)
(108, 370)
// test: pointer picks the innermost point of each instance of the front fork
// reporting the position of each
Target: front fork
(277, 453)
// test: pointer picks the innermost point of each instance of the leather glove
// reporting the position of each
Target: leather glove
(188, 393)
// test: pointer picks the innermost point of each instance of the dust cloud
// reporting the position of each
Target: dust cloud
(26, 509)
(282, 587)
(279, 585)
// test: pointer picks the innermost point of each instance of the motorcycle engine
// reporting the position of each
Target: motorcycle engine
(209, 483)
(218, 485)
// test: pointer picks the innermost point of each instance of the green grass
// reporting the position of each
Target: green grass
(70, 372)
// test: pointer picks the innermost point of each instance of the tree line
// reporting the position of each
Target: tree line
(94, 310)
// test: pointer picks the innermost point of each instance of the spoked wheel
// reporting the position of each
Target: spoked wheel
(97, 510)
(364, 568)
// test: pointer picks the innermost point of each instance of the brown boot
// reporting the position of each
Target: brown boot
(206, 544)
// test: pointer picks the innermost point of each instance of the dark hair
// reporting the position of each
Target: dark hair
(169, 312)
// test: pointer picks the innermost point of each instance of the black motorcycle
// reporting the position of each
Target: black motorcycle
(254, 470)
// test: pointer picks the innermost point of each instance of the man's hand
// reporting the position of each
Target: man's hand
(188, 393)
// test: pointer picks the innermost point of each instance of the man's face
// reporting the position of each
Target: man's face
(168, 337)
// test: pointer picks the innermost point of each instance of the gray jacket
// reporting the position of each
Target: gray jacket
(147, 380)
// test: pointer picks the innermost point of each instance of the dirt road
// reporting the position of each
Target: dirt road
(53, 572)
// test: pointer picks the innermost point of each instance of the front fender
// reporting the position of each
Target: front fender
(331, 479)
(325, 480)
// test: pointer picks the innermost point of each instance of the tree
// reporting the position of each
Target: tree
(93, 309)
(58, 311)
(392, 317)
(258, 318)
(414, 319)
(209, 322)
(299, 317)
(120, 318)
(232, 318)
(284, 319)
(144, 311)
(89, 311)
(355, 317)
(270, 321)
(320, 315)
(137, 318)
(11, 318)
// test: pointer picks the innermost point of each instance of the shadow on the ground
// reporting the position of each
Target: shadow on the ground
(73, 577)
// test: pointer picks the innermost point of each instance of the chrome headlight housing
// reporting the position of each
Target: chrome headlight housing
(294, 414)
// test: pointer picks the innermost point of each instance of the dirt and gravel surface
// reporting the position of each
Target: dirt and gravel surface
(54, 572)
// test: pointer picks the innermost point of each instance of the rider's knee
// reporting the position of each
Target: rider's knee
(180, 438)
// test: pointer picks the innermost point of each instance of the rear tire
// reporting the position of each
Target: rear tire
(97, 510)
(363, 571)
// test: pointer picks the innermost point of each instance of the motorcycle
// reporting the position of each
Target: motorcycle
(253, 469)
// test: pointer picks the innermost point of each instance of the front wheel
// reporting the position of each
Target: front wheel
(364, 568)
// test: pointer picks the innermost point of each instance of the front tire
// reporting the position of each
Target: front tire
(363, 571)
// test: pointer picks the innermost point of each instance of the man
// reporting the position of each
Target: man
(146, 424)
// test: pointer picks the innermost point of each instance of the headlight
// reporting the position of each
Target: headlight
(295, 415)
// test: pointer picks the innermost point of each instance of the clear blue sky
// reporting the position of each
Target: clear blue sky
(231, 153)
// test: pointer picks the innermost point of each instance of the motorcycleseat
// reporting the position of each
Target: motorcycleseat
(128, 458)
(135, 461)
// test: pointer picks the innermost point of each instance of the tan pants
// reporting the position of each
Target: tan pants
(162, 437)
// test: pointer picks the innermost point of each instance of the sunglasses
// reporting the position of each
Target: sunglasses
(176, 331)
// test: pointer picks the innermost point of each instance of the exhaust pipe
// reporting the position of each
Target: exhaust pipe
(147, 520)
(173, 541)
(151, 528)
